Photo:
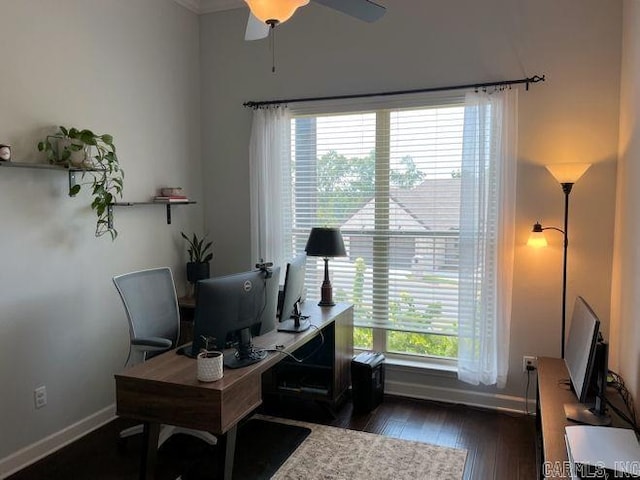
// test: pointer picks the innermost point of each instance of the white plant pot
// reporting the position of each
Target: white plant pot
(210, 366)
(79, 158)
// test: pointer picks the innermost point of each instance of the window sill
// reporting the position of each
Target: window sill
(445, 368)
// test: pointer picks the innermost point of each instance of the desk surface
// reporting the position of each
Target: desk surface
(165, 389)
(552, 396)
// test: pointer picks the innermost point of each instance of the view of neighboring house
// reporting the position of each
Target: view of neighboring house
(423, 235)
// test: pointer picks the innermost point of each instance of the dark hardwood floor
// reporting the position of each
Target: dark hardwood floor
(500, 446)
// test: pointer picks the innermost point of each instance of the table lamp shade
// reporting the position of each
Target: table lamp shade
(325, 242)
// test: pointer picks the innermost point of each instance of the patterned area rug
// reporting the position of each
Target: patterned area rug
(341, 454)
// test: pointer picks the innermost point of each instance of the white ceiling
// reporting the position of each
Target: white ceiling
(208, 6)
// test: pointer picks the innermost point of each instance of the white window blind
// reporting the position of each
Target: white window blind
(390, 180)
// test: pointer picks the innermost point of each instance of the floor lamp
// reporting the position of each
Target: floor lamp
(566, 174)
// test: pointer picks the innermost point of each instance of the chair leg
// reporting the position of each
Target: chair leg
(201, 434)
(167, 430)
(129, 432)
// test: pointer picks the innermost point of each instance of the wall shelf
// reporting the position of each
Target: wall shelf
(137, 204)
(71, 171)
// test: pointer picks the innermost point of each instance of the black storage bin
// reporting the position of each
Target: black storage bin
(367, 380)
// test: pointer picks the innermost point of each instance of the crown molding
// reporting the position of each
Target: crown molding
(209, 6)
(193, 5)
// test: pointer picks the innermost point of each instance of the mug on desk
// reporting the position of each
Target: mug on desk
(210, 366)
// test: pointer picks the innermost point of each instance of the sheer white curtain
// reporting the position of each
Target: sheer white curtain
(487, 236)
(269, 145)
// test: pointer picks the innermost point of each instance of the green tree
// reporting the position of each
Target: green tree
(409, 177)
(346, 184)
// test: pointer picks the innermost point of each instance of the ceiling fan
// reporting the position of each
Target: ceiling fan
(266, 14)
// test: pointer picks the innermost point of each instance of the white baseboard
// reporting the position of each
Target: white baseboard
(494, 401)
(32, 453)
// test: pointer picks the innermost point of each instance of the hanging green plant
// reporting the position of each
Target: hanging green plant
(95, 155)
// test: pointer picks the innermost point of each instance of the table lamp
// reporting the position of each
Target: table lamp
(325, 242)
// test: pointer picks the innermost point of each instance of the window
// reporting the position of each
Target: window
(390, 180)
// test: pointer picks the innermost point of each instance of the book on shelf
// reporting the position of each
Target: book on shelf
(171, 199)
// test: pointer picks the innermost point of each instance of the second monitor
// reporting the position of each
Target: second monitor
(291, 318)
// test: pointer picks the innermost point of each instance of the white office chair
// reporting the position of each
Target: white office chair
(151, 304)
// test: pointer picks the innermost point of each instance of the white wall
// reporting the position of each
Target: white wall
(128, 68)
(571, 117)
(625, 304)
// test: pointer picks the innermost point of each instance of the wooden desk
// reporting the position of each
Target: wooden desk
(164, 390)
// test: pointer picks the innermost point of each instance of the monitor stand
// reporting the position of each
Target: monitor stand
(581, 413)
(245, 354)
(294, 325)
(297, 323)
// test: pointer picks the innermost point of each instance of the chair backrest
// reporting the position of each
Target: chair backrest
(151, 303)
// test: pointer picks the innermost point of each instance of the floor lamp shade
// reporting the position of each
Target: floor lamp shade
(325, 242)
(568, 172)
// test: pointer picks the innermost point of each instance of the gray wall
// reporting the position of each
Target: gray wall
(625, 302)
(571, 117)
(128, 68)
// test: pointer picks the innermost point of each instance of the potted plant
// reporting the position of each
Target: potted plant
(210, 365)
(74, 148)
(199, 257)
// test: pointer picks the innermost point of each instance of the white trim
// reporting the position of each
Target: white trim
(193, 5)
(201, 7)
(32, 453)
(426, 364)
(494, 401)
(210, 6)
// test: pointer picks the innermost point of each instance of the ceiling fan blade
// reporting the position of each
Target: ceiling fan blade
(362, 9)
(255, 29)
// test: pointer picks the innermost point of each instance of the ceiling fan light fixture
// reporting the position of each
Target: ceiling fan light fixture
(274, 11)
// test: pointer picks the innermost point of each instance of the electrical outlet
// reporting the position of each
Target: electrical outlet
(40, 396)
(529, 363)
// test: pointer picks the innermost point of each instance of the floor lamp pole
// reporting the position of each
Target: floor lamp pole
(566, 188)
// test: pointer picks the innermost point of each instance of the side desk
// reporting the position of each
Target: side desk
(551, 420)
(164, 389)
(551, 396)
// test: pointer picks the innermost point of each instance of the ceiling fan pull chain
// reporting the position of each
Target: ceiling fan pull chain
(272, 41)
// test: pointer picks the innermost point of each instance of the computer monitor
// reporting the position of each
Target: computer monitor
(230, 310)
(291, 319)
(586, 360)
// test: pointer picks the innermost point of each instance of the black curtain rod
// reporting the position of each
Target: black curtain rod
(476, 86)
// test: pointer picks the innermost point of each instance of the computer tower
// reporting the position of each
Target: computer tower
(367, 381)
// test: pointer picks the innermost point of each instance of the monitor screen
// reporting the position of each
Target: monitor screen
(581, 347)
(293, 286)
(292, 295)
(233, 308)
